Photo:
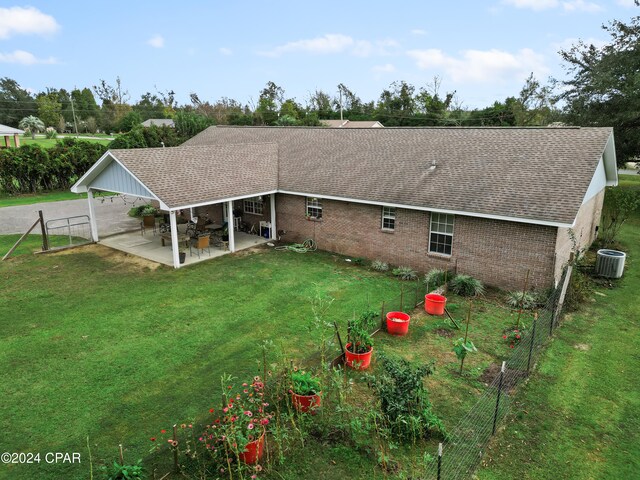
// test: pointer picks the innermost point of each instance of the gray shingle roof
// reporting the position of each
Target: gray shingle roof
(189, 175)
(539, 174)
(159, 122)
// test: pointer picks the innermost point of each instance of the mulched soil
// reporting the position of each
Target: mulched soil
(512, 378)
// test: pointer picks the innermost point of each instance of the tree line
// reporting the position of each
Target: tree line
(602, 91)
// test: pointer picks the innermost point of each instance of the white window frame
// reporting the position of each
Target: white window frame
(253, 206)
(389, 214)
(313, 207)
(436, 222)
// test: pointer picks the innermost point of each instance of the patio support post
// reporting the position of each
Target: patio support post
(175, 248)
(232, 240)
(272, 206)
(191, 214)
(92, 216)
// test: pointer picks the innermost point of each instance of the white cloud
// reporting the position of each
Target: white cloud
(536, 5)
(333, 43)
(481, 66)
(26, 21)
(581, 6)
(386, 68)
(568, 5)
(24, 58)
(157, 41)
(418, 31)
(225, 51)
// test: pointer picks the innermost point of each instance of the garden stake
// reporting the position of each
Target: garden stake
(465, 335)
(175, 449)
(524, 291)
(533, 338)
(339, 339)
(451, 318)
(439, 459)
(495, 414)
(121, 455)
(45, 239)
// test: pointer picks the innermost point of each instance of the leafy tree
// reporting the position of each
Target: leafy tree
(130, 121)
(149, 106)
(15, 102)
(619, 205)
(188, 124)
(33, 124)
(269, 103)
(49, 109)
(287, 121)
(605, 87)
(320, 103)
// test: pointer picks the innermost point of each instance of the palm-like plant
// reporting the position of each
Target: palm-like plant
(33, 124)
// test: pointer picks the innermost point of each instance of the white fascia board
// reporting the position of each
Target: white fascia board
(435, 210)
(598, 182)
(93, 172)
(228, 199)
(610, 163)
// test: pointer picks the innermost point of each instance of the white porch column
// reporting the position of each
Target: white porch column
(92, 216)
(232, 240)
(191, 214)
(272, 206)
(175, 248)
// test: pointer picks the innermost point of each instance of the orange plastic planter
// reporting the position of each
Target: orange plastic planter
(434, 304)
(305, 403)
(398, 323)
(253, 451)
(357, 361)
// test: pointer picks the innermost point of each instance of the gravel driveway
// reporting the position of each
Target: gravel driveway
(111, 216)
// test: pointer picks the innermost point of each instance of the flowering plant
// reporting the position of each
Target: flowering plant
(243, 419)
(513, 337)
(359, 340)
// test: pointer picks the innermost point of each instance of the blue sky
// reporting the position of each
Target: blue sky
(482, 49)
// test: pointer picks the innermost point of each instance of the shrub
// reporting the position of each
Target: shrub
(529, 300)
(358, 334)
(358, 261)
(124, 472)
(466, 286)
(405, 273)
(380, 266)
(50, 132)
(513, 337)
(304, 383)
(404, 401)
(435, 278)
(143, 210)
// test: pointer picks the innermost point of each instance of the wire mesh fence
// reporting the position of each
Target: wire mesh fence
(460, 454)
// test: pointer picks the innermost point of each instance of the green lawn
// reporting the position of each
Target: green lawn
(579, 416)
(98, 346)
(51, 142)
(30, 199)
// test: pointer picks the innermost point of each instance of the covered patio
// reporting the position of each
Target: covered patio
(182, 182)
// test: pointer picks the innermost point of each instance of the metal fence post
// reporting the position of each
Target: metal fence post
(495, 413)
(439, 460)
(533, 339)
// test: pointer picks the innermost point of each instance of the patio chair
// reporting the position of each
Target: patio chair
(200, 244)
(148, 221)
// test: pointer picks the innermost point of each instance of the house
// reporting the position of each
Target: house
(493, 203)
(158, 122)
(351, 124)
(8, 132)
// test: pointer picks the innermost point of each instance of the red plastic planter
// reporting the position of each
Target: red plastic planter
(305, 403)
(434, 304)
(253, 451)
(398, 323)
(357, 361)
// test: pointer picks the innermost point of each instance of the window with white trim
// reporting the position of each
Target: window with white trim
(441, 233)
(388, 218)
(253, 205)
(314, 207)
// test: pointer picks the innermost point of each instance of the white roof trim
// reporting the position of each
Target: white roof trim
(610, 164)
(83, 184)
(437, 210)
(229, 199)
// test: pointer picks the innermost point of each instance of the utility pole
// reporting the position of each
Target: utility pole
(340, 91)
(73, 112)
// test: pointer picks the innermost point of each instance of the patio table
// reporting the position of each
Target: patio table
(181, 238)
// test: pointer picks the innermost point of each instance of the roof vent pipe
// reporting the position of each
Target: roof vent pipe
(433, 166)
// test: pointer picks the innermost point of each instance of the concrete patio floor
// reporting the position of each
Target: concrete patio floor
(149, 246)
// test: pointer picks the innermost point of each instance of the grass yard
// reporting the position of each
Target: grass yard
(51, 142)
(97, 346)
(30, 199)
(579, 417)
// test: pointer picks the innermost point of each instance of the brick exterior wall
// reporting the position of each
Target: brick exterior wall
(585, 231)
(496, 252)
